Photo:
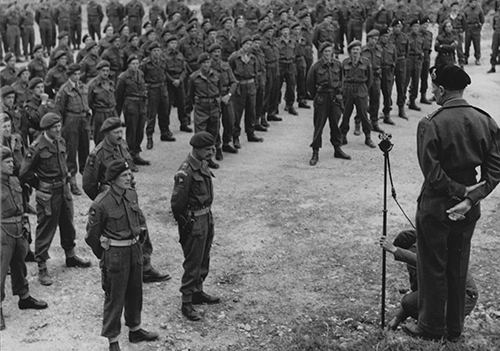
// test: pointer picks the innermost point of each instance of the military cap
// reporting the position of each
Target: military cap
(34, 82)
(373, 33)
(106, 27)
(132, 58)
(211, 29)
(203, 57)
(263, 16)
(8, 56)
(191, 25)
(384, 31)
(111, 123)
(91, 45)
(284, 26)
(37, 47)
(113, 38)
(454, 3)
(405, 239)
(282, 10)
(85, 37)
(328, 14)
(414, 21)
(294, 25)
(132, 36)
(73, 68)
(324, 45)
(266, 28)
(205, 22)
(4, 117)
(193, 20)
(396, 22)
(122, 27)
(201, 140)
(6, 153)
(245, 39)
(303, 14)
(179, 26)
(7, 90)
(213, 47)
(49, 119)
(22, 70)
(154, 45)
(60, 54)
(149, 31)
(450, 77)
(102, 64)
(225, 19)
(116, 168)
(353, 44)
(426, 19)
(146, 24)
(171, 38)
(62, 35)
(256, 37)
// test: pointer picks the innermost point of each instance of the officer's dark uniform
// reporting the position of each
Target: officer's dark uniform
(426, 62)
(271, 94)
(357, 16)
(131, 98)
(400, 40)
(287, 70)
(37, 66)
(227, 40)
(62, 17)
(414, 64)
(27, 32)
(56, 77)
(13, 21)
(94, 19)
(88, 66)
(495, 41)
(20, 86)
(474, 18)
(323, 32)
(131, 50)
(34, 110)
(451, 143)
(113, 55)
(11, 110)
(44, 19)
(115, 13)
(101, 98)
(135, 12)
(445, 46)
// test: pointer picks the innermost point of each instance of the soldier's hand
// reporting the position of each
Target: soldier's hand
(176, 82)
(457, 212)
(386, 245)
(471, 188)
(225, 99)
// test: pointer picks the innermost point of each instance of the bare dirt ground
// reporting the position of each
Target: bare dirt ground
(295, 257)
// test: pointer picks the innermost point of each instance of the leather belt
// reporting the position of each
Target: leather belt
(135, 97)
(108, 109)
(122, 243)
(12, 220)
(247, 81)
(47, 187)
(155, 85)
(200, 212)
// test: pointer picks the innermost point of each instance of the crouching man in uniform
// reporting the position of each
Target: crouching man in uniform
(191, 200)
(115, 229)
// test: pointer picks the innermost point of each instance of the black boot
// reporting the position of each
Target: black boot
(303, 104)
(413, 106)
(153, 276)
(141, 335)
(274, 118)
(253, 138)
(402, 113)
(344, 139)
(212, 164)
(229, 148)
(218, 154)
(339, 153)
(31, 303)
(75, 261)
(189, 312)
(260, 128)
(114, 346)
(376, 127)
(264, 122)
(75, 190)
(202, 297)
(369, 142)
(314, 159)
(492, 70)
(291, 110)
(138, 160)
(236, 142)
(167, 136)
(423, 100)
(357, 129)
(186, 128)
(149, 144)
(2, 320)
(388, 120)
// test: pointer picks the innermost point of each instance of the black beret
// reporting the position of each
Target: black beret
(102, 64)
(396, 22)
(373, 33)
(426, 19)
(179, 26)
(414, 21)
(193, 20)
(60, 54)
(116, 168)
(7, 90)
(205, 22)
(62, 35)
(263, 16)
(149, 31)
(450, 77)
(284, 26)
(34, 82)
(110, 124)
(6, 153)
(303, 14)
(73, 68)
(49, 119)
(256, 37)
(22, 70)
(211, 29)
(282, 10)
(384, 31)
(85, 37)
(201, 140)
(266, 28)
(37, 47)
(146, 24)
(132, 36)
(225, 19)
(171, 38)
(113, 38)
(8, 56)
(122, 27)
(353, 44)
(203, 57)
(295, 24)
(328, 14)
(245, 39)
(405, 239)
(191, 25)
(91, 45)
(131, 58)
(324, 45)
(154, 45)
(454, 3)
(106, 27)
(213, 47)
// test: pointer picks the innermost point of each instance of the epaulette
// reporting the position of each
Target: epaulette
(101, 196)
(435, 113)
(430, 116)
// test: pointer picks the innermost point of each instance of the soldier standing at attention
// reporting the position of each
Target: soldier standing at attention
(191, 203)
(357, 16)
(63, 45)
(426, 63)
(94, 19)
(324, 83)
(271, 53)
(37, 66)
(474, 18)
(495, 41)
(27, 31)
(134, 11)
(115, 13)
(389, 57)
(458, 24)
(400, 40)
(44, 19)
(14, 238)
(113, 55)
(13, 21)
(226, 38)
(71, 101)
(88, 65)
(414, 62)
(75, 27)
(115, 229)
(357, 77)
(9, 74)
(57, 75)
(44, 168)
(452, 143)
(287, 68)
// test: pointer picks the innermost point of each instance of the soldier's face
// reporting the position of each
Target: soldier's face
(12, 62)
(115, 136)
(152, 36)
(176, 16)
(135, 41)
(104, 72)
(173, 44)
(373, 41)
(75, 77)
(7, 128)
(240, 23)
(109, 31)
(125, 31)
(63, 61)
(54, 131)
(212, 35)
(63, 41)
(38, 54)
(285, 32)
(9, 100)
(8, 166)
(25, 76)
(38, 89)
(95, 50)
(205, 65)
(355, 52)
(228, 25)
(134, 65)
(415, 28)
(216, 54)
(205, 153)
(438, 92)
(124, 180)
(328, 53)
(156, 53)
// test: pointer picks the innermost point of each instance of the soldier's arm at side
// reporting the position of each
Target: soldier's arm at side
(406, 256)
(180, 194)
(233, 81)
(120, 95)
(311, 81)
(95, 227)
(26, 173)
(90, 182)
(61, 99)
(190, 95)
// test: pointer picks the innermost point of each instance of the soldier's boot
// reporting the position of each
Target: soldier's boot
(264, 122)
(291, 110)
(114, 346)
(251, 137)
(315, 157)
(397, 320)
(259, 127)
(376, 127)
(388, 119)
(30, 303)
(357, 128)
(478, 62)
(218, 154)
(303, 104)
(149, 144)
(167, 136)
(423, 99)
(236, 142)
(189, 312)
(229, 148)
(75, 190)
(43, 276)
(343, 139)
(138, 160)
(402, 112)
(413, 106)
(141, 335)
(2, 320)
(492, 69)
(339, 153)
(369, 142)
(186, 128)
(212, 164)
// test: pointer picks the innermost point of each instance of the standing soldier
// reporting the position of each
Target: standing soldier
(9, 107)
(459, 24)
(71, 101)
(115, 12)
(88, 66)
(9, 74)
(400, 40)
(36, 107)
(414, 13)
(260, 83)
(382, 18)
(27, 31)
(228, 88)
(113, 55)
(132, 48)
(306, 33)
(57, 75)
(115, 230)
(176, 76)
(134, 11)
(131, 98)
(495, 41)
(44, 19)
(108, 34)
(324, 31)
(13, 32)
(62, 17)
(357, 16)
(15, 224)
(191, 203)
(443, 12)
(426, 63)
(94, 19)
(414, 62)
(155, 12)
(400, 12)
(44, 168)
(271, 53)
(446, 45)
(101, 97)
(324, 83)
(191, 47)
(37, 66)
(226, 38)
(288, 70)
(75, 27)
(474, 18)
(20, 86)
(154, 68)
(389, 59)
(357, 78)
(63, 46)
(300, 64)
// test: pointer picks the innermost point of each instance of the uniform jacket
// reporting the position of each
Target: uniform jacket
(227, 79)
(37, 68)
(72, 99)
(55, 78)
(101, 94)
(324, 77)
(12, 206)
(130, 84)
